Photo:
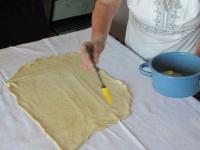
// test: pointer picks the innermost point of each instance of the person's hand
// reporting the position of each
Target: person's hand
(97, 46)
(198, 49)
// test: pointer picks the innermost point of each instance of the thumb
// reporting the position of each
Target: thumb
(86, 62)
(198, 49)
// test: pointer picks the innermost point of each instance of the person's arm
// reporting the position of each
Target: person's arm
(102, 16)
(198, 49)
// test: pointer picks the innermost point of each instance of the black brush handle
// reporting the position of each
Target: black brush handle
(90, 52)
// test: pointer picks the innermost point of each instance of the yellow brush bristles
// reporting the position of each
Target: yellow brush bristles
(107, 95)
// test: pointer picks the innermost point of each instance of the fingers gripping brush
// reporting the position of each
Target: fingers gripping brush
(107, 95)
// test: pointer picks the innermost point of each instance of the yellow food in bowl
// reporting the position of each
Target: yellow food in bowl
(172, 73)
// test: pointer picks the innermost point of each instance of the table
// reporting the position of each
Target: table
(156, 122)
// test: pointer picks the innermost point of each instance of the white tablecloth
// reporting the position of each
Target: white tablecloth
(156, 122)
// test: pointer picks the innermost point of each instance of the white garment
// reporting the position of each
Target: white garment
(157, 26)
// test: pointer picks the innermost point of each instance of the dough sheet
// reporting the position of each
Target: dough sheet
(66, 101)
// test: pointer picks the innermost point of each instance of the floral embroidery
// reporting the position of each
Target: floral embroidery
(172, 15)
(168, 24)
(163, 31)
(159, 21)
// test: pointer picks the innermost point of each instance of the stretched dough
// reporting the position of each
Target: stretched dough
(67, 101)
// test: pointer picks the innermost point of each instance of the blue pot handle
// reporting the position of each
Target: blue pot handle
(144, 72)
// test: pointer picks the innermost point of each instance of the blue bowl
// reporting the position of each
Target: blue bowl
(187, 66)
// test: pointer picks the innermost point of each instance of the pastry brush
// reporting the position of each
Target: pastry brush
(105, 91)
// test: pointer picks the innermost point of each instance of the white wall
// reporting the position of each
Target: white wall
(118, 28)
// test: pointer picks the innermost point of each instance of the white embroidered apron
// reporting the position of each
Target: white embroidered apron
(157, 26)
